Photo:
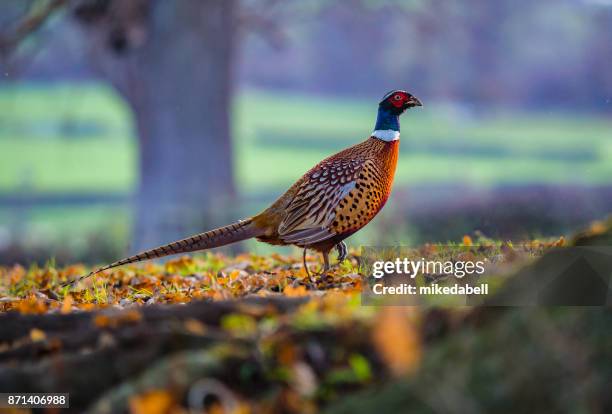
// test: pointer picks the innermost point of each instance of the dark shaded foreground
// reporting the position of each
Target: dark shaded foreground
(320, 352)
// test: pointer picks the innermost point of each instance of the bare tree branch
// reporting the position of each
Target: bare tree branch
(10, 40)
(264, 17)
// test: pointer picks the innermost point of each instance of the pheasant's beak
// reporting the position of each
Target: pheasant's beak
(413, 102)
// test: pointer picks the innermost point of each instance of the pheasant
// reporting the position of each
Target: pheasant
(333, 200)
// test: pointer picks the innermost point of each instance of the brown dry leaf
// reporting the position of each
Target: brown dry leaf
(301, 273)
(292, 402)
(236, 274)
(287, 354)
(242, 408)
(36, 335)
(467, 257)
(195, 327)
(87, 306)
(597, 227)
(215, 408)
(560, 242)
(67, 304)
(291, 291)
(396, 338)
(152, 402)
(126, 317)
(101, 321)
(31, 305)
(428, 249)
(16, 411)
(16, 274)
(130, 316)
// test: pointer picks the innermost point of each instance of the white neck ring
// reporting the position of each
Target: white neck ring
(386, 134)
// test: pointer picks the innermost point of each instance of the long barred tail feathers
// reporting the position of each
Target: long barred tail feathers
(241, 230)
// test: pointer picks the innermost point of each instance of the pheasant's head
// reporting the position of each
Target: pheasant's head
(398, 101)
(390, 108)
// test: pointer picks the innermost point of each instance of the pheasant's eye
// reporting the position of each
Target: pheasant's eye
(397, 97)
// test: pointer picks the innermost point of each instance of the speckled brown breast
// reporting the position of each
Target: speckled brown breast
(372, 189)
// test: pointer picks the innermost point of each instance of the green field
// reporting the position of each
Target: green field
(80, 138)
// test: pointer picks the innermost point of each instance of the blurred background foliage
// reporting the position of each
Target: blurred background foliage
(126, 124)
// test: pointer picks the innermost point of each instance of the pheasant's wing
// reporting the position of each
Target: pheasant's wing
(312, 210)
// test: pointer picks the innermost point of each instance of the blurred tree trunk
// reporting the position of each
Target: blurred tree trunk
(182, 114)
(172, 62)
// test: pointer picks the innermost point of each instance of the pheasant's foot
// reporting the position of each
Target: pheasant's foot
(327, 281)
(315, 281)
(323, 280)
(342, 251)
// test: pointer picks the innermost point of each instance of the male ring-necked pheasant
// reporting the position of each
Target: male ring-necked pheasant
(333, 200)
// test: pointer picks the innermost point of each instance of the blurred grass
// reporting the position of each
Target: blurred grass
(65, 139)
(79, 138)
(440, 144)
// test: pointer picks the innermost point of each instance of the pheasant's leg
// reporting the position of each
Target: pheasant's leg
(325, 261)
(341, 248)
(304, 262)
(312, 284)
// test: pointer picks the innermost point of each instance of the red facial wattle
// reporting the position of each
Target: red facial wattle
(398, 100)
